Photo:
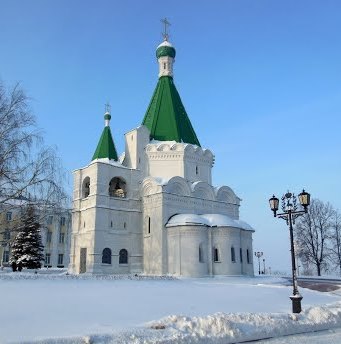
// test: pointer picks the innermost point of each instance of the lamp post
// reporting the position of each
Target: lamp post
(258, 255)
(290, 213)
(263, 266)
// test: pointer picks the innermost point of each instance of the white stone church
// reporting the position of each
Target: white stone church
(154, 210)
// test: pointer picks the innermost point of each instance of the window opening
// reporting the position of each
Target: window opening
(215, 255)
(233, 255)
(123, 256)
(117, 188)
(106, 256)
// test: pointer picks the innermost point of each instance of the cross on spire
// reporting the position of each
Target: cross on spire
(166, 24)
(107, 107)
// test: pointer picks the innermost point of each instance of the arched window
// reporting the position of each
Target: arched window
(123, 259)
(117, 187)
(241, 255)
(233, 255)
(215, 254)
(106, 256)
(248, 256)
(86, 187)
(201, 254)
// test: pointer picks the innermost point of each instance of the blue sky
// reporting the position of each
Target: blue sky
(260, 81)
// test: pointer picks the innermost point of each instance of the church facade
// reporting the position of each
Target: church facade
(154, 209)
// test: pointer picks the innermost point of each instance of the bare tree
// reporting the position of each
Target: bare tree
(312, 233)
(28, 169)
(335, 239)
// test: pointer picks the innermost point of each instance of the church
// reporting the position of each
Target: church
(154, 210)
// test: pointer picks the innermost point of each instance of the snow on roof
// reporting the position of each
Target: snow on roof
(210, 220)
(165, 44)
(161, 181)
(109, 162)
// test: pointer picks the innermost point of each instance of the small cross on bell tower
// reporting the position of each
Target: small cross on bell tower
(166, 24)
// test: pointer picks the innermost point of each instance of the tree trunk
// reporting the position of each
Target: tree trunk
(318, 266)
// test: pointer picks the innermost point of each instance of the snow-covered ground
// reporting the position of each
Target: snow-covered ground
(156, 310)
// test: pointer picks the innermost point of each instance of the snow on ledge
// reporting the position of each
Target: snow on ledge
(210, 220)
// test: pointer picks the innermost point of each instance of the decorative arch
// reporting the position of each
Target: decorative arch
(178, 186)
(150, 186)
(226, 194)
(106, 256)
(86, 187)
(203, 190)
(117, 187)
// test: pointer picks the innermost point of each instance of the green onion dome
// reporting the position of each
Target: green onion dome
(165, 49)
(107, 116)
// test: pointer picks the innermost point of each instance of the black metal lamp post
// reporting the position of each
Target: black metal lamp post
(263, 266)
(290, 213)
(258, 255)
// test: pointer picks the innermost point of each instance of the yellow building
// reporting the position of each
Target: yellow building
(55, 233)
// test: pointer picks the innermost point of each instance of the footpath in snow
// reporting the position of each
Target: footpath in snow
(55, 308)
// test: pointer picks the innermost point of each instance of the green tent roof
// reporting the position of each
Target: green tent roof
(106, 147)
(166, 117)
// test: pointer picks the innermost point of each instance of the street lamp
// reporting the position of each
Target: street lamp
(290, 213)
(258, 255)
(264, 266)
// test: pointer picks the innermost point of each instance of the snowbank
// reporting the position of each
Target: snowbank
(220, 328)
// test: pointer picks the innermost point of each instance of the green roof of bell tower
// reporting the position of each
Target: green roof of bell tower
(106, 147)
(166, 117)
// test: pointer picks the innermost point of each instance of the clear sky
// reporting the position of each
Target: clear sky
(260, 80)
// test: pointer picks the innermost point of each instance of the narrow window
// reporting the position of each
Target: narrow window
(60, 259)
(201, 254)
(62, 221)
(148, 225)
(5, 257)
(233, 255)
(110, 223)
(106, 256)
(86, 187)
(215, 255)
(9, 216)
(123, 256)
(241, 255)
(50, 220)
(84, 224)
(164, 66)
(47, 258)
(125, 225)
(7, 235)
(61, 237)
(248, 256)
(196, 170)
(49, 237)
